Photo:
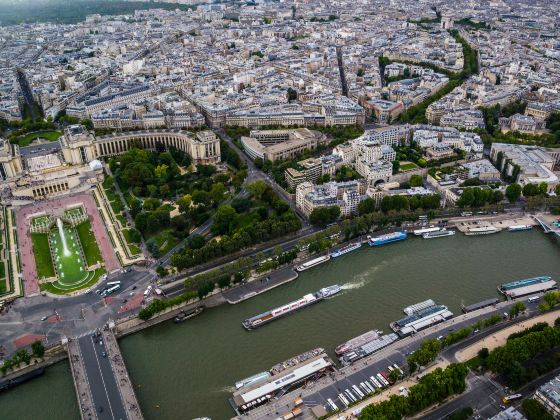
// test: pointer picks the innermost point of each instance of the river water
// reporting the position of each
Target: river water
(188, 370)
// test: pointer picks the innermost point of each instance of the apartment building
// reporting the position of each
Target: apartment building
(281, 144)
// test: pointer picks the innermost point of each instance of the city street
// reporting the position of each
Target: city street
(69, 316)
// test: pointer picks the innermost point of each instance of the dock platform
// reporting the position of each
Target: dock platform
(256, 287)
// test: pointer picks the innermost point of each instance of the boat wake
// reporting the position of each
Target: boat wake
(228, 389)
(361, 279)
(353, 285)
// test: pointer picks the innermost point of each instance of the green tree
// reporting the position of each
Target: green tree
(516, 309)
(23, 356)
(257, 188)
(224, 281)
(530, 190)
(366, 206)
(161, 171)
(161, 271)
(467, 198)
(396, 166)
(513, 192)
(534, 410)
(426, 353)
(38, 349)
(153, 247)
(184, 203)
(322, 216)
(394, 375)
(292, 94)
(217, 192)
(497, 197)
(205, 289)
(224, 219)
(416, 181)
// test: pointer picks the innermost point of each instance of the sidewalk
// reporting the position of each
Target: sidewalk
(83, 392)
(11, 254)
(500, 338)
(126, 388)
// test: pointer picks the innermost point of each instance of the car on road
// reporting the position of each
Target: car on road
(104, 354)
(100, 342)
(44, 318)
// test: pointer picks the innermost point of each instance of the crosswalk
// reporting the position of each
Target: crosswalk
(90, 332)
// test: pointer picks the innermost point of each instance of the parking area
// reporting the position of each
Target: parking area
(347, 389)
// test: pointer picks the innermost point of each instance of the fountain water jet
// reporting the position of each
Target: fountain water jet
(65, 249)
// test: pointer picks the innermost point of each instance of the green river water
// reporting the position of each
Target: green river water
(188, 370)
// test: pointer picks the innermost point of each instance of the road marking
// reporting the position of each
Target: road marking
(102, 378)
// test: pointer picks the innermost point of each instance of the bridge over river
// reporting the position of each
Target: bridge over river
(548, 224)
(101, 379)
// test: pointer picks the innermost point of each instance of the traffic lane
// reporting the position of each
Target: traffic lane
(98, 393)
(483, 397)
(117, 404)
(103, 389)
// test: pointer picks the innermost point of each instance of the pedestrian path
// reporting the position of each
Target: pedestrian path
(83, 391)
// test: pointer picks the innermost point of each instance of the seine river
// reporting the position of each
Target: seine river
(188, 370)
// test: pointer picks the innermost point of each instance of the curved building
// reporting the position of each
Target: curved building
(79, 146)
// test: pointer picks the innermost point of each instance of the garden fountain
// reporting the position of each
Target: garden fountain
(65, 249)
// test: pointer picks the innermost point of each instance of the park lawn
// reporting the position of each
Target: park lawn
(3, 279)
(74, 212)
(111, 195)
(247, 219)
(408, 166)
(134, 250)
(42, 253)
(122, 220)
(128, 197)
(41, 220)
(56, 288)
(117, 206)
(126, 233)
(165, 241)
(27, 139)
(89, 243)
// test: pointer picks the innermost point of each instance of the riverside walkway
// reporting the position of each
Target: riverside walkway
(83, 392)
(101, 380)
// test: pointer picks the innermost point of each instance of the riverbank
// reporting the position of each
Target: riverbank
(198, 361)
(500, 338)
